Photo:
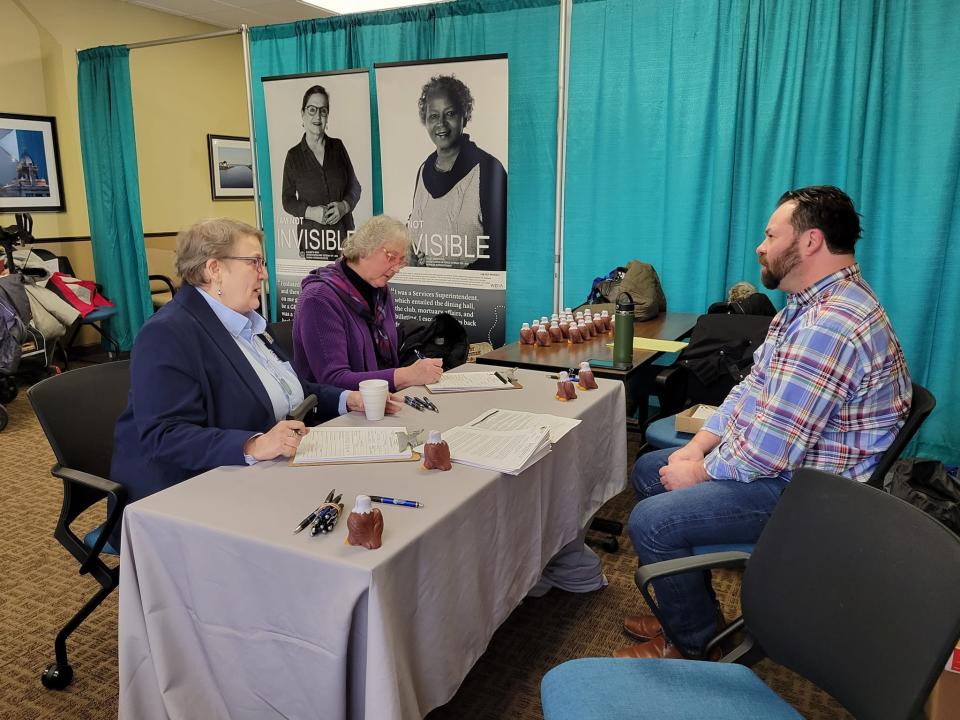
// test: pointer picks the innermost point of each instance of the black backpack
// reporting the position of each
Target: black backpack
(720, 353)
(443, 337)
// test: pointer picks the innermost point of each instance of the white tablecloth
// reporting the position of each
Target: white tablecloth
(226, 614)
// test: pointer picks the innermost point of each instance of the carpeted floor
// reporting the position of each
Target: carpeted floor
(40, 589)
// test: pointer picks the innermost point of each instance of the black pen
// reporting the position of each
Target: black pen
(313, 516)
(501, 378)
(412, 402)
(429, 403)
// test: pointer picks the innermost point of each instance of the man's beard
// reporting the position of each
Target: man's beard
(772, 274)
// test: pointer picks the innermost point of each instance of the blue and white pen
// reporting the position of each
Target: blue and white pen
(395, 501)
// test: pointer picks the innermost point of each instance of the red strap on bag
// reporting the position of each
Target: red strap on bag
(81, 294)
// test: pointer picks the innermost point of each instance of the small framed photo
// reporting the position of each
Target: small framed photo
(231, 167)
(30, 178)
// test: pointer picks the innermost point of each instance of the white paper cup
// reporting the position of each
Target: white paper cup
(374, 393)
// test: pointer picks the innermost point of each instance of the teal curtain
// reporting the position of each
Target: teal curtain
(688, 119)
(527, 30)
(113, 187)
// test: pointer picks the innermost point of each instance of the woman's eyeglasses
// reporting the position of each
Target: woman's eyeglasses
(312, 110)
(396, 259)
(254, 260)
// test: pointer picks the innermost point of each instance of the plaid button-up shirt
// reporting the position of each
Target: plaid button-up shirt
(829, 389)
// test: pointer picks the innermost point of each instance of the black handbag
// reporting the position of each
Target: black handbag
(928, 485)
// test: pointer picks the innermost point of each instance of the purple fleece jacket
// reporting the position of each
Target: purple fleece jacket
(332, 344)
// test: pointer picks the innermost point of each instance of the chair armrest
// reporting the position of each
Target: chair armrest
(112, 490)
(670, 385)
(91, 481)
(648, 573)
(301, 411)
(166, 281)
(731, 559)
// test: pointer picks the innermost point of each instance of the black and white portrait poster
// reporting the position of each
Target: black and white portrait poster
(443, 155)
(321, 170)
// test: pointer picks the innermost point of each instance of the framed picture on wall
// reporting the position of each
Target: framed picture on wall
(30, 178)
(231, 167)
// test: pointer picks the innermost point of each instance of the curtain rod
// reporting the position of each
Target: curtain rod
(183, 38)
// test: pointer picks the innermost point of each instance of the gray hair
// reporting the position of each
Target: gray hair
(212, 238)
(740, 291)
(373, 235)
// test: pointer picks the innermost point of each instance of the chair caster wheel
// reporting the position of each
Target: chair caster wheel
(57, 677)
(611, 545)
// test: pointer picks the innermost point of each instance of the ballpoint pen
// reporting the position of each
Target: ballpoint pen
(412, 402)
(313, 516)
(429, 403)
(420, 355)
(395, 501)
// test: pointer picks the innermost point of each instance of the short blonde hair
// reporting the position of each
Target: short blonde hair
(212, 238)
(374, 234)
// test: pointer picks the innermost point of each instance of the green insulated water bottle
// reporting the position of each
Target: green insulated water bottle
(623, 330)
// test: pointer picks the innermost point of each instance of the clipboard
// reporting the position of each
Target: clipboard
(414, 457)
(506, 376)
(405, 440)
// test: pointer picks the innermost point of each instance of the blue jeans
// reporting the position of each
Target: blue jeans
(667, 524)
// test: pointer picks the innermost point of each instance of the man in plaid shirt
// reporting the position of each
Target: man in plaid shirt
(829, 389)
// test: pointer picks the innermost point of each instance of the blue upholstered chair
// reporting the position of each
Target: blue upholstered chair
(848, 586)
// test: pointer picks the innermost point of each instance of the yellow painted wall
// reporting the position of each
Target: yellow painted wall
(180, 92)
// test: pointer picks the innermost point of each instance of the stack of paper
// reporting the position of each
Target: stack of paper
(471, 382)
(518, 420)
(506, 451)
(352, 444)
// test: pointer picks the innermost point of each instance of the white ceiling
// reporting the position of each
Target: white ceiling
(234, 13)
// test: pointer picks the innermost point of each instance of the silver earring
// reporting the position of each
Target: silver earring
(220, 290)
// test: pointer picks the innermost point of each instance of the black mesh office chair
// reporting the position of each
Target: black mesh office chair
(850, 587)
(77, 411)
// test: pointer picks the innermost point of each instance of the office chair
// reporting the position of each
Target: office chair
(163, 286)
(921, 406)
(854, 589)
(282, 332)
(77, 411)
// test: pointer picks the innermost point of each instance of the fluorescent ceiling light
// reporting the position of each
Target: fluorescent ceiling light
(346, 7)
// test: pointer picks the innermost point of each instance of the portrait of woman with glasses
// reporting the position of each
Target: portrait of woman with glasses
(320, 187)
(344, 327)
(458, 218)
(207, 387)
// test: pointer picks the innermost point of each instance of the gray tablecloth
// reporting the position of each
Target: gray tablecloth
(226, 614)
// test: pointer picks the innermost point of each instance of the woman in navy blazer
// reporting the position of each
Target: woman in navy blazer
(207, 387)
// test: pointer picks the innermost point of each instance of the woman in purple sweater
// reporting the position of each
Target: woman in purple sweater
(344, 327)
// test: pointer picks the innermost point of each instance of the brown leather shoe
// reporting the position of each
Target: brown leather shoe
(658, 647)
(642, 627)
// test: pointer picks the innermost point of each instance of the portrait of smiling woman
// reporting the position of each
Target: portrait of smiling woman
(458, 218)
(320, 186)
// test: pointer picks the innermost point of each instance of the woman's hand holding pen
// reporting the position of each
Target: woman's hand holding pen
(423, 372)
(281, 440)
(355, 403)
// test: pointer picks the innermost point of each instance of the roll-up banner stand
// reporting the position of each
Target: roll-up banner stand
(321, 167)
(443, 154)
